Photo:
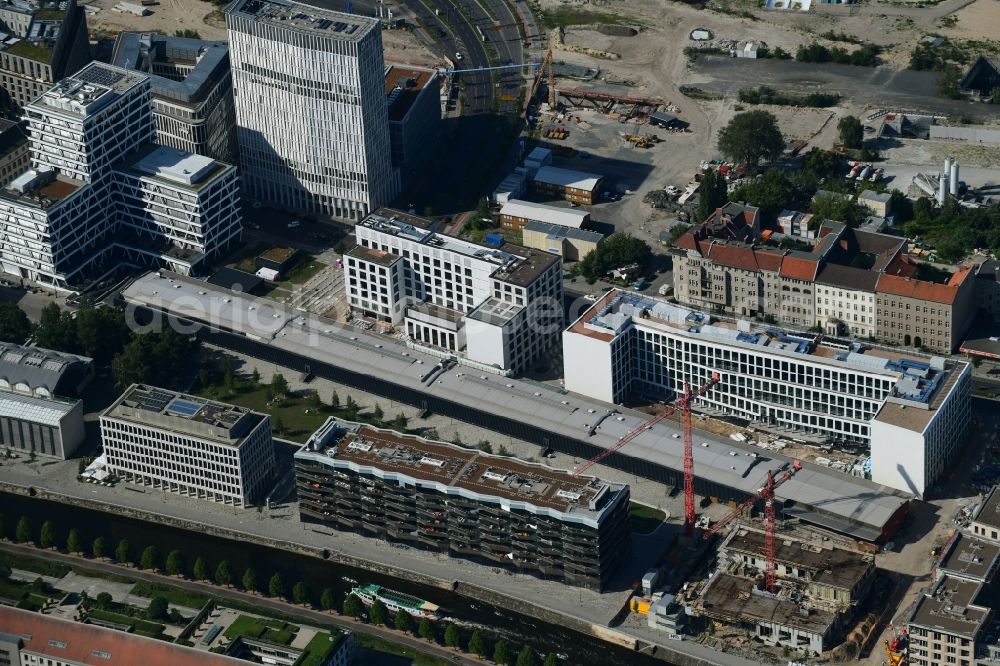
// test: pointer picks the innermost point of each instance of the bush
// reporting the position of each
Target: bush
(157, 609)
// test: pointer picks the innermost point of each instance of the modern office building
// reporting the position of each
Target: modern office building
(188, 445)
(14, 155)
(444, 497)
(309, 85)
(852, 283)
(569, 243)
(40, 410)
(100, 191)
(43, 41)
(500, 308)
(413, 98)
(192, 91)
(985, 520)
(574, 186)
(949, 624)
(910, 411)
(515, 214)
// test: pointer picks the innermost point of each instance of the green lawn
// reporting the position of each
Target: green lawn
(22, 594)
(143, 627)
(173, 595)
(35, 565)
(568, 16)
(645, 519)
(416, 658)
(318, 648)
(297, 424)
(276, 631)
(245, 625)
(304, 270)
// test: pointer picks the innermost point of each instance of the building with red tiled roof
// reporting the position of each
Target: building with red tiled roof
(922, 313)
(719, 267)
(33, 638)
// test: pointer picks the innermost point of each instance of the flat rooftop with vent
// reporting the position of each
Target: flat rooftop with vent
(91, 89)
(182, 413)
(951, 608)
(456, 470)
(970, 558)
(306, 18)
(986, 518)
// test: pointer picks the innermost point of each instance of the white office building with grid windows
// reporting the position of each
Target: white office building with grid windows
(909, 411)
(189, 445)
(499, 308)
(309, 88)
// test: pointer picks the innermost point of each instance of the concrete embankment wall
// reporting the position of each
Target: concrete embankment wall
(468, 590)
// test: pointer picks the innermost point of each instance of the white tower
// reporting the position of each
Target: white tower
(309, 88)
(953, 178)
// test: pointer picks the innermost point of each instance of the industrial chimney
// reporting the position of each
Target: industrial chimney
(953, 179)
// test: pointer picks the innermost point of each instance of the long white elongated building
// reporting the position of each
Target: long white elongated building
(909, 411)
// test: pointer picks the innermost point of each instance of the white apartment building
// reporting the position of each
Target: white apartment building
(99, 189)
(188, 445)
(502, 307)
(909, 411)
(845, 301)
(310, 100)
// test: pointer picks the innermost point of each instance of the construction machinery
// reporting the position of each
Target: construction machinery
(546, 70)
(892, 658)
(682, 402)
(766, 493)
(556, 133)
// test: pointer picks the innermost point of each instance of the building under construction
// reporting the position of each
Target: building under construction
(467, 503)
(817, 589)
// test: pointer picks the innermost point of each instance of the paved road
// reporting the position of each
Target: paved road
(235, 595)
(878, 86)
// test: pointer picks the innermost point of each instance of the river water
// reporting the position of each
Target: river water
(494, 621)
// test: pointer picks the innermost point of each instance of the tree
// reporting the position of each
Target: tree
(403, 621)
(400, 422)
(47, 538)
(224, 573)
(255, 378)
(852, 134)
(335, 400)
(280, 385)
(837, 207)
(377, 413)
(228, 373)
(101, 333)
(551, 659)
(618, 249)
(300, 593)
(99, 548)
(276, 586)
(250, 580)
(452, 637)
(751, 137)
(426, 630)
(353, 606)
(133, 365)
(527, 657)
(485, 446)
(14, 324)
(150, 558)
(33, 453)
(176, 564)
(104, 600)
(277, 425)
(378, 613)
(351, 405)
(501, 652)
(477, 645)
(157, 609)
(200, 569)
(74, 542)
(24, 532)
(188, 33)
(771, 193)
(712, 193)
(328, 599)
(56, 329)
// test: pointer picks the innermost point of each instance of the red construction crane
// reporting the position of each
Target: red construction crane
(682, 402)
(766, 493)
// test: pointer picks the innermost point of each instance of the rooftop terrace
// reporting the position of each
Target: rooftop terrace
(90, 90)
(951, 608)
(179, 412)
(306, 18)
(448, 466)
